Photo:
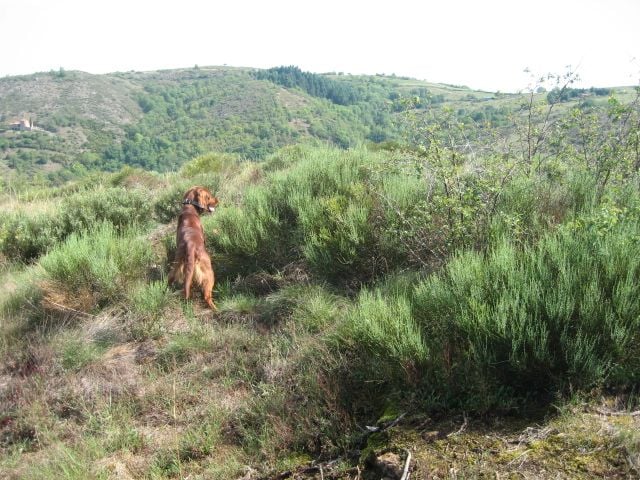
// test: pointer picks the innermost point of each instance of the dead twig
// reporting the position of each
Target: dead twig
(385, 426)
(462, 428)
(610, 413)
(69, 309)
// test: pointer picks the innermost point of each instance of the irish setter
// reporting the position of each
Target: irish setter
(192, 261)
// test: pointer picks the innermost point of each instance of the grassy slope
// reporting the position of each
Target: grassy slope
(104, 373)
(147, 386)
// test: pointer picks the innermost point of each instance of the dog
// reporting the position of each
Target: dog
(192, 262)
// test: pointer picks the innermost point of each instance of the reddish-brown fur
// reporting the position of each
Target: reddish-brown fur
(192, 261)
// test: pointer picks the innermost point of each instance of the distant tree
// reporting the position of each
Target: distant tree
(316, 85)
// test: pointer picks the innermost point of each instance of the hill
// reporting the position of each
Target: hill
(158, 120)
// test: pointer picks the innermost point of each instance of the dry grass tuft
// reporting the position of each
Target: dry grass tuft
(58, 300)
(116, 374)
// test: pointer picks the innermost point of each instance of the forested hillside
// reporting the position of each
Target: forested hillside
(159, 120)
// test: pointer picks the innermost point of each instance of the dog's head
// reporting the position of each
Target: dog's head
(200, 198)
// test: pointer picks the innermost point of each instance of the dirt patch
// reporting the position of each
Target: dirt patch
(290, 100)
(300, 125)
(117, 373)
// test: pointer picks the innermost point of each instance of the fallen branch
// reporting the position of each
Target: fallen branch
(405, 473)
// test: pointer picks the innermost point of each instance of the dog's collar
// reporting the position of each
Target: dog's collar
(198, 206)
(194, 203)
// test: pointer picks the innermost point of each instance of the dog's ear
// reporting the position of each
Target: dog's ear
(202, 195)
(192, 194)
(207, 200)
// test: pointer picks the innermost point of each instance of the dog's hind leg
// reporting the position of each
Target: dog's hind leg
(172, 276)
(208, 281)
(188, 274)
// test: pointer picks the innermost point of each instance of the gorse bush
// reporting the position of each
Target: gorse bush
(102, 263)
(118, 206)
(210, 163)
(354, 216)
(254, 235)
(508, 324)
(320, 209)
(386, 331)
(25, 236)
(558, 313)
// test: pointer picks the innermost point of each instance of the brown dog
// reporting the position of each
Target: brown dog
(192, 261)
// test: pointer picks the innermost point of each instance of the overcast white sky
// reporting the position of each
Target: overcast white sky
(482, 44)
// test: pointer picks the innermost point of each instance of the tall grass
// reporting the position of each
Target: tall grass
(148, 302)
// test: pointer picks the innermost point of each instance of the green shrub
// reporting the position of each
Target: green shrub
(210, 163)
(384, 355)
(120, 207)
(338, 236)
(315, 310)
(560, 313)
(130, 177)
(25, 236)
(384, 328)
(495, 328)
(103, 262)
(253, 236)
(319, 209)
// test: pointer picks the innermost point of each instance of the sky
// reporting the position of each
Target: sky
(481, 44)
